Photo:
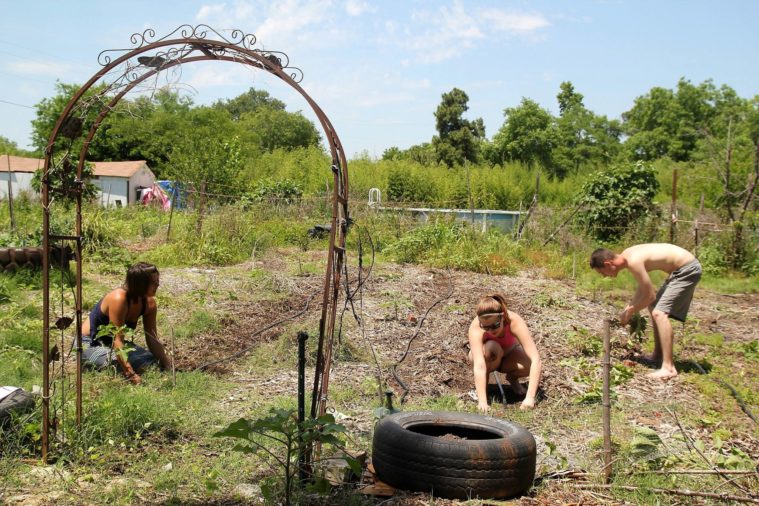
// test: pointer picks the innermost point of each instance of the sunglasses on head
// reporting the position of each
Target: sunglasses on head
(492, 326)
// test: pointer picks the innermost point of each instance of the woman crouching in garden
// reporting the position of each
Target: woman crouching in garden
(105, 337)
(500, 341)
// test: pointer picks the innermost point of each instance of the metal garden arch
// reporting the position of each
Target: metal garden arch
(122, 70)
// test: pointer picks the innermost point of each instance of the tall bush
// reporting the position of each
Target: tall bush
(613, 200)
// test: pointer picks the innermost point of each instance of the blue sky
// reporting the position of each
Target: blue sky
(378, 69)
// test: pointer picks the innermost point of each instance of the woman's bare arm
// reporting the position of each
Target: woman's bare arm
(479, 367)
(523, 335)
(149, 324)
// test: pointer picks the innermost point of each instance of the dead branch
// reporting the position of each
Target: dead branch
(416, 333)
(701, 454)
(687, 493)
(563, 224)
(735, 393)
(698, 471)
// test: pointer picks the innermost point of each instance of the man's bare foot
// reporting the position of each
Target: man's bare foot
(663, 374)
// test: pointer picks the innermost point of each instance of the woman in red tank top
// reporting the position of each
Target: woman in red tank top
(500, 341)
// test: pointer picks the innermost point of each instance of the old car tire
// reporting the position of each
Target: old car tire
(454, 455)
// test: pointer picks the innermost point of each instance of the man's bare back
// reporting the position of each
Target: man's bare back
(658, 256)
(671, 301)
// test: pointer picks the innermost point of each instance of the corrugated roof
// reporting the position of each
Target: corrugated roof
(113, 169)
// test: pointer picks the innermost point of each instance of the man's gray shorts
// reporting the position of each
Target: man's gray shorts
(100, 357)
(676, 293)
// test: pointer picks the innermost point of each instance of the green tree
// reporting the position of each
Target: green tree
(48, 110)
(668, 123)
(209, 161)
(145, 128)
(393, 153)
(582, 137)
(527, 136)
(249, 102)
(277, 128)
(458, 139)
(8, 147)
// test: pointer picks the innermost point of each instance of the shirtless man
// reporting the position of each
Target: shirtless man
(672, 300)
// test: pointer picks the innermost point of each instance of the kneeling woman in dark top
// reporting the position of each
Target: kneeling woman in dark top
(123, 307)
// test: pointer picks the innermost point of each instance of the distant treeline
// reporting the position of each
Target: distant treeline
(238, 146)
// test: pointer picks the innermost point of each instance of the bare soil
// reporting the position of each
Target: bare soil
(415, 318)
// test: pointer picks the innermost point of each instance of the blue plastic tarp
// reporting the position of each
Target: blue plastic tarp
(176, 193)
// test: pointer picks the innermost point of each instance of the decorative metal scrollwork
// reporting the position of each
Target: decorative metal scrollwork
(237, 45)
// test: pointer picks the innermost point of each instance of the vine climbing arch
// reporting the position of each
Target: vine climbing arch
(124, 70)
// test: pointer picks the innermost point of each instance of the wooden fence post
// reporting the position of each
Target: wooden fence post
(695, 226)
(607, 401)
(673, 221)
(10, 194)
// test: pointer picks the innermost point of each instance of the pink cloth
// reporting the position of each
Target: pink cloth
(155, 193)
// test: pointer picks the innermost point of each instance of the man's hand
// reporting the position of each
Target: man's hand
(625, 315)
(528, 403)
(483, 407)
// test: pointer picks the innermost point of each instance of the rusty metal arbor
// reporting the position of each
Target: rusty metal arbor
(124, 70)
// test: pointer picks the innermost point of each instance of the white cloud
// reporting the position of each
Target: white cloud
(208, 12)
(512, 22)
(289, 17)
(435, 36)
(356, 8)
(452, 30)
(286, 25)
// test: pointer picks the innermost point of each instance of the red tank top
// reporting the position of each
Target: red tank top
(506, 341)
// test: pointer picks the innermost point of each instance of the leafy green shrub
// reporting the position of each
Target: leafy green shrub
(5, 290)
(413, 247)
(284, 191)
(277, 437)
(712, 258)
(616, 198)
(409, 186)
(586, 343)
(62, 179)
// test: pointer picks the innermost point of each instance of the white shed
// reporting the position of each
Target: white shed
(20, 171)
(119, 182)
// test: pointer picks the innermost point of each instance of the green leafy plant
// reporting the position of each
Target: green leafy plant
(281, 428)
(62, 180)
(589, 374)
(750, 350)
(644, 447)
(586, 343)
(284, 191)
(111, 331)
(614, 199)
(637, 326)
